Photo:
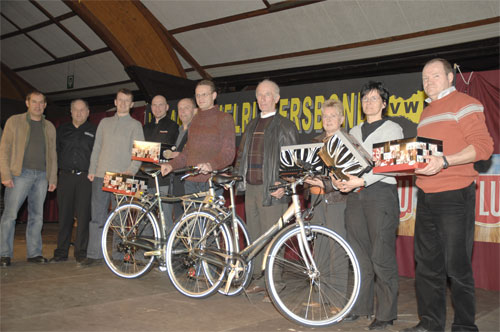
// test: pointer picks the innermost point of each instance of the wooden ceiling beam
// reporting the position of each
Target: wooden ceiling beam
(29, 37)
(358, 44)
(284, 5)
(128, 33)
(37, 26)
(62, 27)
(63, 59)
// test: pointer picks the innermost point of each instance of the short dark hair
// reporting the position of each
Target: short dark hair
(446, 65)
(125, 91)
(82, 100)
(380, 88)
(208, 83)
(35, 92)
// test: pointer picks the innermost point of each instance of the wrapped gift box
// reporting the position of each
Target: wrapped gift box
(152, 152)
(124, 184)
(403, 156)
(343, 154)
(292, 155)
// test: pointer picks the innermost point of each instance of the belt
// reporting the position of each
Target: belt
(74, 171)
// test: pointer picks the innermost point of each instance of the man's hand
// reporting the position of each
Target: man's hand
(278, 193)
(434, 166)
(174, 154)
(205, 168)
(91, 177)
(52, 187)
(317, 182)
(165, 169)
(349, 185)
(8, 183)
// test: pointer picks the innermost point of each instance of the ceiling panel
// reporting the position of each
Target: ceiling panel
(6, 26)
(83, 33)
(20, 51)
(56, 41)
(382, 17)
(175, 13)
(108, 90)
(55, 8)
(98, 69)
(22, 13)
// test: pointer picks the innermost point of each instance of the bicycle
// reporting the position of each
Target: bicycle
(203, 256)
(134, 234)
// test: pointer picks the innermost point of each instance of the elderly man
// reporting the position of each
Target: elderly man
(258, 162)
(111, 153)
(444, 226)
(211, 140)
(28, 167)
(162, 130)
(75, 140)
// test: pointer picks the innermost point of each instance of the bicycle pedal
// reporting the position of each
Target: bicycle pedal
(152, 253)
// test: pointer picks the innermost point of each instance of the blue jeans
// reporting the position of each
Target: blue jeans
(32, 184)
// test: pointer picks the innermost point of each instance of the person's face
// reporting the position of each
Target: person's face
(159, 107)
(186, 111)
(79, 113)
(331, 120)
(372, 105)
(435, 79)
(36, 105)
(123, 104)
(267, 98)
(205, 98)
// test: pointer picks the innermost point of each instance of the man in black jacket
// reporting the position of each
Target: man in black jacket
(75, 140)
(258, 162)
(162, 130)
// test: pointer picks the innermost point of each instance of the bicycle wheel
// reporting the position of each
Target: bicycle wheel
(128, 233)
(307, 296)
(195, 253)
(243, 271)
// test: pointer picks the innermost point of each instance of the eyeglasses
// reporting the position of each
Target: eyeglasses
(205, 94)
(371, 99)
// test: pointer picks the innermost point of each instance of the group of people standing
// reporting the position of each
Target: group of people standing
(363, 209)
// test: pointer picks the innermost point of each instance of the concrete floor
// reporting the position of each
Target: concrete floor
(63, 297)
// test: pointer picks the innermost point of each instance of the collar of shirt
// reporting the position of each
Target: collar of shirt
(442, 94)
(267, 115)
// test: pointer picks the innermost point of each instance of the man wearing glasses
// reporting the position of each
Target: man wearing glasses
(211, 140)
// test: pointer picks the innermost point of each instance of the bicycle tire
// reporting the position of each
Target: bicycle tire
(197, 234)
(307, 298)
(126, 228)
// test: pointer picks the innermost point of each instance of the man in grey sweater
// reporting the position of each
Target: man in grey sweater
(111, 153)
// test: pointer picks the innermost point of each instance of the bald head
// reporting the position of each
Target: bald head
(187, 109)
(159, 107)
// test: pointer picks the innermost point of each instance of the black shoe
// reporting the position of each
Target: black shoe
(380, 324)
(38, 260)
(80, 259)
(57, 259)
(350, 318)
(87, 262)
(5, 261)
(416, 328)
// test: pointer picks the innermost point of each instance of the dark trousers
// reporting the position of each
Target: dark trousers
(371, 218)
(73, 199)
(444, 236)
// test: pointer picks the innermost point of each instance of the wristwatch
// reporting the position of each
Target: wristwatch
(445, 163)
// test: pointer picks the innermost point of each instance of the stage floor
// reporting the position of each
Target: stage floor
(63, 297)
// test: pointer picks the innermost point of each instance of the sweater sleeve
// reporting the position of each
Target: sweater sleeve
(52, 172)
(475, 132)
(137, 135)
(225, 156)
(96, 150)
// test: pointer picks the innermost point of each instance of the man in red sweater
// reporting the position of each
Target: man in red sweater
(444, 227)
(211, 140)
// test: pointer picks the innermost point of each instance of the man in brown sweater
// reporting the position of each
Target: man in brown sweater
(211, 140)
